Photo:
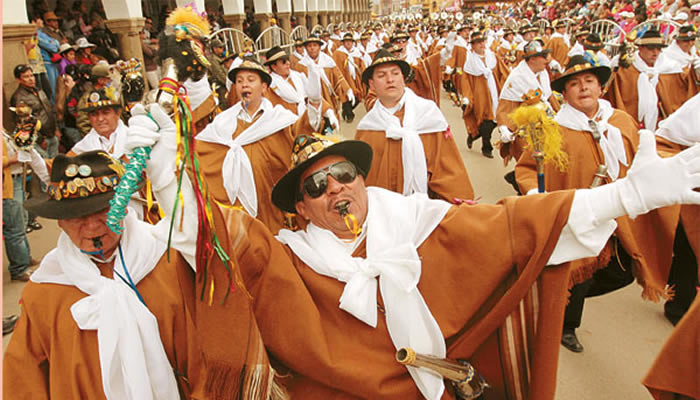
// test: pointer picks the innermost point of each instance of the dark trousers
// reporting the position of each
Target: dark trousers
(616, 275)
(683, 276)
(484, 131)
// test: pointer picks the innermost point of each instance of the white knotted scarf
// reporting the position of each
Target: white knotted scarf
(198, 91)
(475, 65)
(682, 125)
(648, 100)
(611, 143)
(420, 116)
(521, 80)
(673, 60)
(322, 62)
(396, 226)
(290, 92)
(133, 362)
(352, 67)
(236, 171)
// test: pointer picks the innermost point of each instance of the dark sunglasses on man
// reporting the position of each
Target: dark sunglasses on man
(316, 184)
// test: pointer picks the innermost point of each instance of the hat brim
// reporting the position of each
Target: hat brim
(91, 109)
(47, 207)
(313, 40)
(286, 190)
(263, 75)
(369, 71)
(601, 72)
(543, 53)
(279, 56)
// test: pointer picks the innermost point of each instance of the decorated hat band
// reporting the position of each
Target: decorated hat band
(82, 186)
(651, 41)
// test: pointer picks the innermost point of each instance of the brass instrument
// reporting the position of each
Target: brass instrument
(459, 373)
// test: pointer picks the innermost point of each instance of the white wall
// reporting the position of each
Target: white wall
(118, 9)
(180, 3)
(233, 7)
(263, 6)
(14, 12)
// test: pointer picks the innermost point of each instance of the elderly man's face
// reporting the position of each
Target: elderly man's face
(322, 210)
(582, 92)
(105, 120)
(388, 82)
(649, 54)
(83, 231)
(53, 23)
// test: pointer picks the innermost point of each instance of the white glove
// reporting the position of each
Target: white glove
(448, 69)
(465, 101)
(331, 117)
(506, 135)
(351, 96)
(157, 131)
(696, 65)
(651, 182)
(554, 66)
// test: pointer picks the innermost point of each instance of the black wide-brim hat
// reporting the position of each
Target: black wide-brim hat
(274, 54)
(384, 57)
(102, 98)
(79, 186)
(577, 65)
(306, 151)
(250, 64)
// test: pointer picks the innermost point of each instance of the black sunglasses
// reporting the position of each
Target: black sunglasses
(315, 184)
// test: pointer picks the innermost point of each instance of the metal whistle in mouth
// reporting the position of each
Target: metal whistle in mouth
(343, 207)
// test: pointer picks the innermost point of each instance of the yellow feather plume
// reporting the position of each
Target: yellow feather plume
(541, 132)
(196, 25)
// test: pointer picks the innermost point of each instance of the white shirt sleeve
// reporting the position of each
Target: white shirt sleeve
(582, 235)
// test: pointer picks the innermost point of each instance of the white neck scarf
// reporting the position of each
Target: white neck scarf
(290, 93)
(133, 362)
(396, 227)
(474, 65)
(576, 50)
(682, 126)
(611, 143)
(672, 60)
(420, 116)
(522, 79)
(197, 91)
(114, 145)
(648, 100)
(236, 171)
(352, 68)
(321, 63)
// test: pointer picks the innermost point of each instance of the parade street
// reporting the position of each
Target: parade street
(621, 332)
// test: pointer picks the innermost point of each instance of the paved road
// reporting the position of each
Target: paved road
(621, 333)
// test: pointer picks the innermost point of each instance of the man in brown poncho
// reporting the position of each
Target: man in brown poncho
(601, 142)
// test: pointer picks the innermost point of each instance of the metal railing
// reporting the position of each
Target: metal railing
(271, 37)
(234, 40)
(610, 33)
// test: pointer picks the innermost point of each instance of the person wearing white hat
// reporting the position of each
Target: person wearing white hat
(84, 50)
(67, 53)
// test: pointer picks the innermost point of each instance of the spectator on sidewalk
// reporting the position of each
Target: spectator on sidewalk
(67, 53)
(84, 51)
(14, 236)
(42, 109)
(49, 42)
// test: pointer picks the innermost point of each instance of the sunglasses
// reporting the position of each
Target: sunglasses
(316, 184)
